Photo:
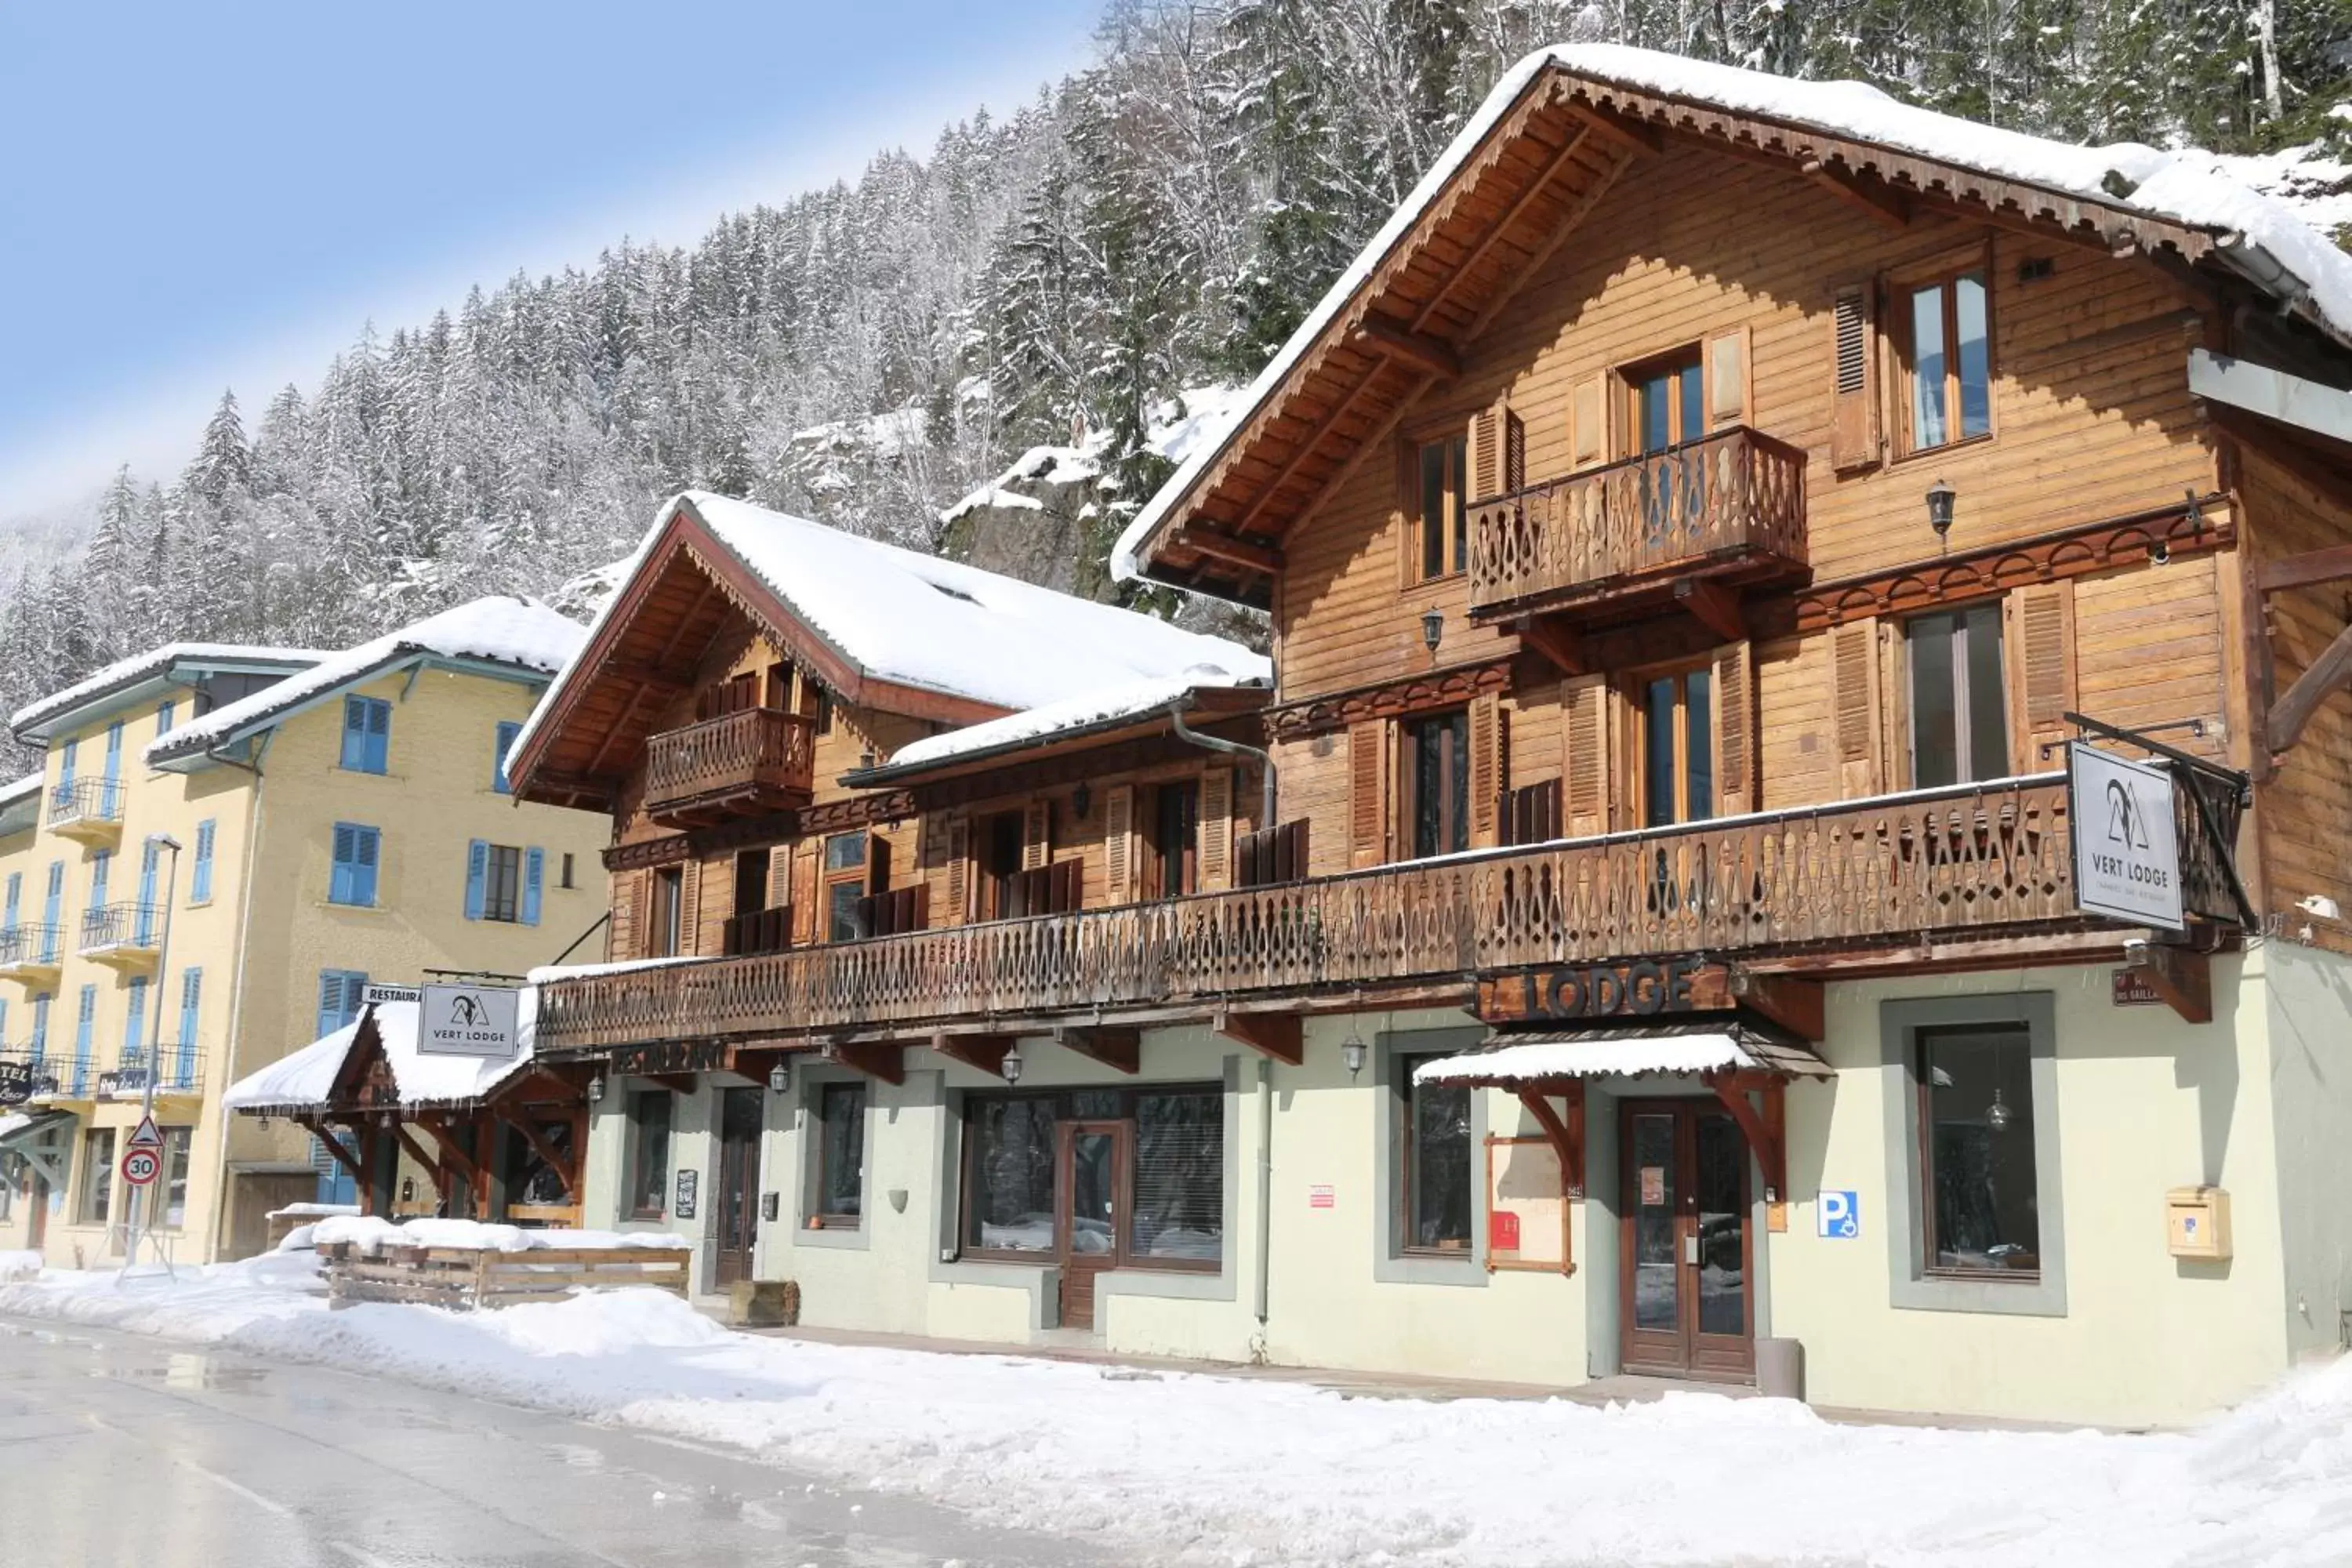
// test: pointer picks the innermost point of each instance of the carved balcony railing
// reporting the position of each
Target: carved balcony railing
(1976, 856)
(1608, 541)
(89, 811)
(755, 760)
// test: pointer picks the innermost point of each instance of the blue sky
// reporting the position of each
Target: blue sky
(201, 196)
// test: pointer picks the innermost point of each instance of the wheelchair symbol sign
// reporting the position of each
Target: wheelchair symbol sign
(1840, 1216)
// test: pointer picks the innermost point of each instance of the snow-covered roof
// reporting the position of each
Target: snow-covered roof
(1097, 709)
(2262, 237)
(306, 1080)
(501, 630)
(1595, 1053)
(16, 790)
(547, 974)
(155, 664)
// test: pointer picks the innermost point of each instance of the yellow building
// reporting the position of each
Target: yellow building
(231, 844)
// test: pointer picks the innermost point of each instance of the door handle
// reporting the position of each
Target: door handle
(1690, 1249)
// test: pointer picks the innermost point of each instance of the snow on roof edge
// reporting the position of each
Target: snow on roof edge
(1048, 720)
(146, 665)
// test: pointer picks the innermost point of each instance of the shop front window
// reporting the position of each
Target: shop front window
(1165, 1205)
(1436, 1198)
(649, 1115)
(841, 1156)
(1975, 1119)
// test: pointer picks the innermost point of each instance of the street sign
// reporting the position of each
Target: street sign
(141, 1166)
(147, 1135)
(377, 994)
(2127, 850)
(1839, 1215)
(466, 1020)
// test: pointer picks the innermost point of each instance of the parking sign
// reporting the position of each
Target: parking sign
(1840, 1215)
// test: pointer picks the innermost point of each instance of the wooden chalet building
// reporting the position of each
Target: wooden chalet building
(1693, 533)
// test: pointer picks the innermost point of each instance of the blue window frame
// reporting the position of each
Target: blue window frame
(341, 993)
(367, 735)
(53, 911)
(356, 852)
(149, 854)
(40, 1025)
(134, 1019)
(102, 869)
(68, 755)
(499, 748)
(165, 712)
(200, 881)
(192, 991)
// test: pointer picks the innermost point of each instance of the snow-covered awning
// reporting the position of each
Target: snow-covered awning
(1097, 717)
(320, 1077)
(1522, 1060)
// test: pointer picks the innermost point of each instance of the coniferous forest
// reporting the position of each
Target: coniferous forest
(867, 353)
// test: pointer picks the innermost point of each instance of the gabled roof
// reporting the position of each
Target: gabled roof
(1552, 138)
(501, 635)
(143, 675)
(882, 627)
(329, 1073)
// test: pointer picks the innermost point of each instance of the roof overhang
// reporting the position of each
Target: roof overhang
(2270, 393)
(1209, 704)
(182, 757)
(151, 684)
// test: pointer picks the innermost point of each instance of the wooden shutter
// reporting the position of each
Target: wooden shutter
(1726, 379)
(689, 914)
(1216, 830)
(1854, 708)
(955, 846)
(1893, 706)
(1589, 420)
(632, 894)
(1037, 836)
(780, 876)
(1118, 843)
(808, 891)
(1487, 774)
(1499, 453)
(1584, 767)
(2039, 627)
(1853, 347)
(1734, 714)
(1368, 791)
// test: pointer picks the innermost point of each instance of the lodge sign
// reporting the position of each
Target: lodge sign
(670, 1055)
(2127, 848)
(1644, 988)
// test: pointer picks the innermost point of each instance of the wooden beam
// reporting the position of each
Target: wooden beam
(1771, 1156)
(450, 1147)
(1716, 606)
(1562, 645)
(1599, 187)
(1881, 201)
(886, 1063)
(1421, 350)
(2296, 707)
(1119, 1049)
(566, 1171)
(341, 1156)
(417, 1152)
(985, 1052)
(1306, 446)
(1632, 135)
(2302, 571)
(1235, 551)
(1277, 1037)
(2182, 976)
(1796, 1004)
(1503, 224)
(649, 677)
(1566, 1133)
(1376, 440)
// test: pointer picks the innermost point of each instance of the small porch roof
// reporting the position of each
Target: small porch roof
(331, 1074)
(1519, 1060)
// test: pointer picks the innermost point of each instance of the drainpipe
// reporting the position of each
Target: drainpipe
(1266, 759)
(1264, 1184)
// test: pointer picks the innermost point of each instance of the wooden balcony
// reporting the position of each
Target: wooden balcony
(87, 810)
(32, 954)
(127, 937)
(1885, 872)
(1610, 544)
(742, 763)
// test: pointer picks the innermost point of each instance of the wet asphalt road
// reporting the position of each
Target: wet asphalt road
(116, 1449)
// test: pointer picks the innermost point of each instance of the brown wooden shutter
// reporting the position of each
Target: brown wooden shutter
(1855, 716)
(1497, 453)
(1118, 843)
(1368, 793)
(808, 890)
(1894, 705)
(2040, 631)
(955, 849)
(1726, 379)
(631, 903)
(1589, 420)
(1584, 762)
(1216, 830)
(1734, 713)
(780, 876)
(1487, 777)
(1854, 338)
(689, 915)
(1037, 836)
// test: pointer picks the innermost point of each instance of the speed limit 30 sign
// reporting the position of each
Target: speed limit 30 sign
(142, 1166)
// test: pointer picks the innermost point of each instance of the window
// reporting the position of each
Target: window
(113, 761)
(1950, 384)
(85, 1026)
(1436, 1144)
(164, 712)
(567, 881)
(135, 1020)
(1437, 774)
(341, 993)
(200, 881)
(1976, 1149)
(668, 907)
(1009, 1190)
(841, 1156)
(1443, 516)
(1665, 403)
(845, 885)
(1960, 717)
(499, 749)
(40, 1025)
(823, 717)
(649, 1115)
(102, 872)
(502, 886)
(173, 1190)
(1172, 1217)
(69, 758)
(97, 1176)
(367, 735)
(182, 1069)
(1177, 1213)
(1175, 839)
(356, 850)
(1677, 724)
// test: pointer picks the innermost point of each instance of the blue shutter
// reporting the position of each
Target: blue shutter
(354, 995)
(66, 762)
(379, 750)
(85, 1018)
(3, 1020)
(102, 869)
(15, 896)
(40, 1025)
(134, 1021)
(505, 744)
(114, 751)
(53, 911)
(330, 1002)
(478, 870)
(534, 866)
(354, 734)
(164, 715)
(200, 885)
(192, 991)
(339, 883)
(366, 843)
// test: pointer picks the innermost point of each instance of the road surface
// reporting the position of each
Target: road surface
(116, 1449)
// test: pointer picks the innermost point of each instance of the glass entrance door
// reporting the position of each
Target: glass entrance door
(1685, 1253)
(1094, 1165)
(738, 1187)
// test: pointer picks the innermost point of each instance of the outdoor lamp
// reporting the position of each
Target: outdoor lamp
(779, 1077)
(1351, 1050)
(1011, 1066)
(1940, 496)
(1433, 630)
(1081, 798)
(596, 1089)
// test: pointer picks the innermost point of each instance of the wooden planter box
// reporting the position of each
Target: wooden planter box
(465, 1278)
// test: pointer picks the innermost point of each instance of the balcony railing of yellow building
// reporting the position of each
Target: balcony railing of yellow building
(177, 1073)
(24, 947)
(1730, 506)
(1975, 856)
(757, 759)
(89, 810)
(119, 931)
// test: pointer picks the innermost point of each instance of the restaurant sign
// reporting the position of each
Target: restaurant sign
(1644, 988)
(670, 1055)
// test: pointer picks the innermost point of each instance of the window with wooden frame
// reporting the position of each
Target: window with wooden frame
(1665, 402)
(845, 885)
(1441, 507)
(1946, 326)
(1673, 722)
(1436, 779)
(735, 694)
(667, 914)
(1957, 695)
(841, 1157)
(1173, 1213)
(1981, 1209)
(1433, 1164)
(1173, 869)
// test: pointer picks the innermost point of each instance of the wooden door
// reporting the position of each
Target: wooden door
(1090, 1224)
(1685, 1294)
(737, 1193)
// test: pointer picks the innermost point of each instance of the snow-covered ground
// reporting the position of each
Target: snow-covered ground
(1204, 1469)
